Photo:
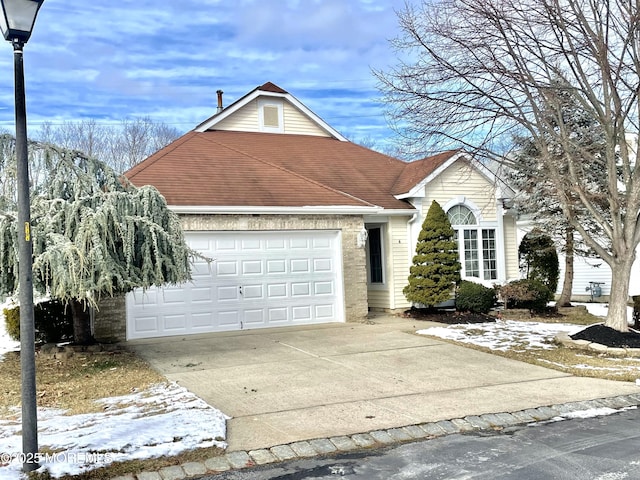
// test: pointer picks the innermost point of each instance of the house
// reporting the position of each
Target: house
(302, 225)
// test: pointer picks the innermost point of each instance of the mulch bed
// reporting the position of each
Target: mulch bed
(609, 337)
(449, 317)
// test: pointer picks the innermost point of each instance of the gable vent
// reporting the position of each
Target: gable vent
(270, 116)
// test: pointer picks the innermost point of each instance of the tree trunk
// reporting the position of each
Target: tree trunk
(619, 296)
(567, 284)
(81, 323)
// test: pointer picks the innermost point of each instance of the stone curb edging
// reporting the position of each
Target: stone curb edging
(380, 438)
(564, 339)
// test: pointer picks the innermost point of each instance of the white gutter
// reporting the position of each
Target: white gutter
(308, 210)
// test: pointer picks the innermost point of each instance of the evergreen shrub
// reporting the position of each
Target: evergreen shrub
(475, 298)
(53, 322)
(527, 294)
(436, 270)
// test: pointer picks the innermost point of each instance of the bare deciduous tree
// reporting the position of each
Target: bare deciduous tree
(478, 72)
(120, 146)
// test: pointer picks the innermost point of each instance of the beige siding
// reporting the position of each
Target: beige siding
(295, 122)
(244, 120)
(511, 248)
(400, 258)
(461, 179)
(247, 119)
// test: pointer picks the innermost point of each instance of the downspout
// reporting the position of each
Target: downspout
(500, 243)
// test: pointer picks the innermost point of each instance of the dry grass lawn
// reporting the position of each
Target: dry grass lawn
(576, 362)
(74, 383)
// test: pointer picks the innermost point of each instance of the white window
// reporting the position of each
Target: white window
(375, 254)
(476, 245)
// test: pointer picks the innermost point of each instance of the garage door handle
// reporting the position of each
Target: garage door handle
(240, 289)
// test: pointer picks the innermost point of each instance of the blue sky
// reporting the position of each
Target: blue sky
(110, 60)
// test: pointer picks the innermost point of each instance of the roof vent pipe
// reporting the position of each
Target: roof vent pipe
(220, 107)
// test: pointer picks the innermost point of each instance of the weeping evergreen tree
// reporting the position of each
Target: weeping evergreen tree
(94, 234)
(436, 269)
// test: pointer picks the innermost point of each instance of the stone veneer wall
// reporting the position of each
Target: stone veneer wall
(110, 320)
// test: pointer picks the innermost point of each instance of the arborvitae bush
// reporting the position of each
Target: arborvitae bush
(12, 322)
(539, 259)
(475, 298)
(529, 294)
(53, 322)
(435, 270)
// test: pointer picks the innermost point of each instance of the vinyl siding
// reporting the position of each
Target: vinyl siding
(246, 119)
(295, 122)
(243, 120)
(400, 258)
(461, 179)
(586, 270)
(511, 248)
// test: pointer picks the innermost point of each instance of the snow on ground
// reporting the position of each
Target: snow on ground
(163, 420)
(511, 334)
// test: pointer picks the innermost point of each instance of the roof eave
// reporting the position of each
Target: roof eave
(266, 210)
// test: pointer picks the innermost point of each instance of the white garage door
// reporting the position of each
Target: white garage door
(256, 280)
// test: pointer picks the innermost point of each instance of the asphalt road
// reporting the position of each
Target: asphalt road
(601, 448)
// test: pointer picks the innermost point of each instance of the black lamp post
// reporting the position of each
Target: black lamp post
(16, 23)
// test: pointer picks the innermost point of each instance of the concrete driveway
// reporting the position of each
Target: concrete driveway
(290, 384)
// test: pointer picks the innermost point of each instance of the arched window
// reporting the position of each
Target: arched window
(476, 245)
(461, 215)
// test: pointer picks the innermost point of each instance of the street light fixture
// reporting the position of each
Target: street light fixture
(16, 23)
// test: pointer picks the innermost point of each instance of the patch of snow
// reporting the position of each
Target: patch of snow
(165, 419)
(504, 334)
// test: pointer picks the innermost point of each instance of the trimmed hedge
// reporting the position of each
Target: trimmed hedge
(527, 294)
(475, 298)
(53, 322)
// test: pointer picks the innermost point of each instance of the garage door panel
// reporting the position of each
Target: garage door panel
(299, 265)
(276, 267)
(323, 288)
(253, 292)
(202, 295)
(176, 323)
(173, 295)
(300, 289)
(321, 265)
(202, 322)
(278, 315)
(276, 244)
(300, 243)
(277, 290)
(324, 312)
(228, 293)
(228, 319)
(252, 267)
(237, 289)
(301, 314)
(226, 268)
